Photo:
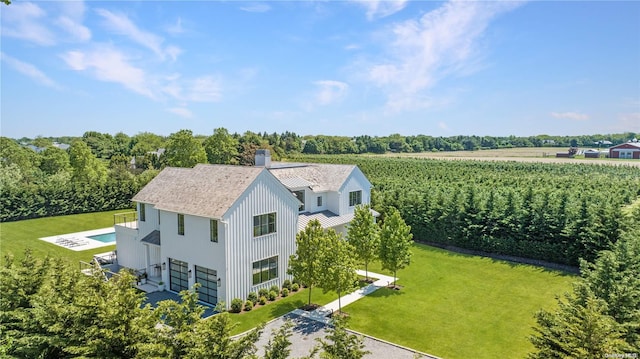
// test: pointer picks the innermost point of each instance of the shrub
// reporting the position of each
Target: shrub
(285, 292)
(274, 288)
(263, 300)
(286, 284)
(263, 292)
(273, 295)
(236, 305)
(248, 305)
(295, 287)
(253, 298)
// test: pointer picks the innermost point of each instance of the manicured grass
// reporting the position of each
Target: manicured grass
(15, 237)
(460, 306)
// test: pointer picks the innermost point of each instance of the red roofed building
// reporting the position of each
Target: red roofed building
(629, 150)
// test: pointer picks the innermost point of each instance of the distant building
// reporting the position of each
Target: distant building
(629, 150)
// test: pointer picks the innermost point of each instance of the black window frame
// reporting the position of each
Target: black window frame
(213, 230)
(180, 224)
(264, 270)
(319, 201)
(264, 224)
(143, 212)
(355, 198)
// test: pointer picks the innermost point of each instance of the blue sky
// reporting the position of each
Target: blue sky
(320, 67)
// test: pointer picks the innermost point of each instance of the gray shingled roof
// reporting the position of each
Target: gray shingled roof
(322, 177)
(205, 190)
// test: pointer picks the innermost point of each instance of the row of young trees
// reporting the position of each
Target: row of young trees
(601, 317)
(553, 212)
(49, 310)
(325, 260)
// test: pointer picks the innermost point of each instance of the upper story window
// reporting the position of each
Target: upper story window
(319, 201)
(143, 214)
(355, 198)
(264, 224)
(300, 196)
(181, 224)
(213, 230)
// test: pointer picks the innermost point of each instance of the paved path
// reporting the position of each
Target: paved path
(308, 326)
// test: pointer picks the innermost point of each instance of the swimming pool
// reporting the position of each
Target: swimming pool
(104, 238)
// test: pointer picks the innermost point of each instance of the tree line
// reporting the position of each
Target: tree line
(551, 212)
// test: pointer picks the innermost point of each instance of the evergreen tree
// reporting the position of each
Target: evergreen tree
(395, 243)
(363, 235)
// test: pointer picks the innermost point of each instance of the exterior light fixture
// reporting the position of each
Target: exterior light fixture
(219, 282)
(164, 265)
(189, 273)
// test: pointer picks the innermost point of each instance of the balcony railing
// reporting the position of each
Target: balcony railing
(127, 219)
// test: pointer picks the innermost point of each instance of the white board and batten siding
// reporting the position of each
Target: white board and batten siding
(265, 195)
(355, 182)
(194, 247)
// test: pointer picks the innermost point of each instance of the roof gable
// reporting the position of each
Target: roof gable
(320, 177)
(626, 145)
(205, 190)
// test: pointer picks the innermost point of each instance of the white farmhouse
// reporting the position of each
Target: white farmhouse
(233, 228)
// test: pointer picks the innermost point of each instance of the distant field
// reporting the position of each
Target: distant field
(527, 154)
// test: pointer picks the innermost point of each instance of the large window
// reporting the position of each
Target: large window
(300, 196)
(355, 198)
(319, 201)
(265, 270)
(143, 214)
(181, 224)
(213, 230)
(208, 291)
(264, 224)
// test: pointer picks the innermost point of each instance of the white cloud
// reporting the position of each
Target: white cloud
(110, 65)
(439, 44)
(25, 21)
(443, 126)
(75, 29)
(120, 24)
(256, 7)
(330, 91)
(181, 111)
(570, 116)
(381, 8)
(71, 20)
(29, 70)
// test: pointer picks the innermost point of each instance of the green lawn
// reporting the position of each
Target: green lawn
(15, 237)
(460, 306)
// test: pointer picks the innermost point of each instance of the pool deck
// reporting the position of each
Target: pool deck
(79, 241)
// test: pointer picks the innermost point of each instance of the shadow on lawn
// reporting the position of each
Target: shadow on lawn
(386, 292)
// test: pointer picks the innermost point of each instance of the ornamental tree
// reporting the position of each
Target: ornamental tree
(364, 235)
(304, 265)
(395, 243)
